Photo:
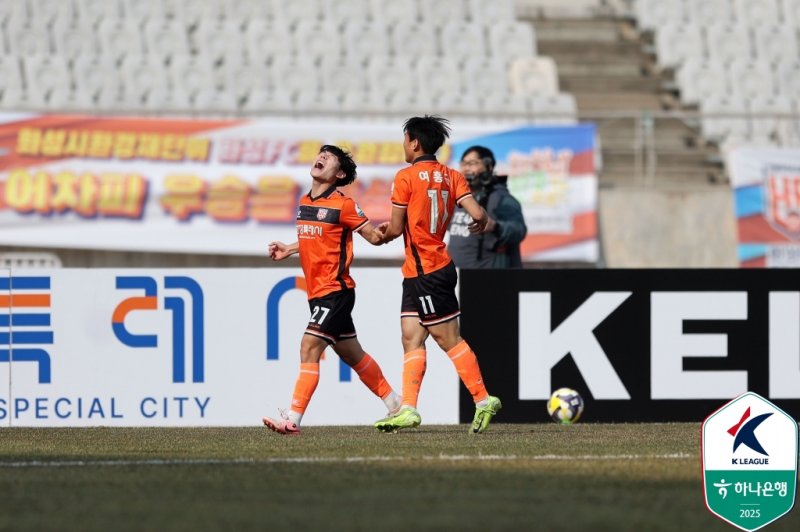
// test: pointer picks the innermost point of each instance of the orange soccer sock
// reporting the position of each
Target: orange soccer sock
(466, 364)
(371, 375)
(304, 388)
(414, 365)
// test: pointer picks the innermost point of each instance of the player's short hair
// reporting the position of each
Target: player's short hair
(484, 153)
(346, 163)
(430, 130)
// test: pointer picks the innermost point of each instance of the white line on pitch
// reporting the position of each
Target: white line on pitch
(337, 460)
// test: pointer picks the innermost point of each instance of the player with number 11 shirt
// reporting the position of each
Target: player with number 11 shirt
(424, 196)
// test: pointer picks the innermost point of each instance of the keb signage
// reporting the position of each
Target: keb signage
(749, 453)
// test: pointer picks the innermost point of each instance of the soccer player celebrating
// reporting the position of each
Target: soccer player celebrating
(326, 221)
(423, 198)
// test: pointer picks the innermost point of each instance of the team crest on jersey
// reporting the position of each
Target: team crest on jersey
(782, 184)
(359, 212)
(322, 214)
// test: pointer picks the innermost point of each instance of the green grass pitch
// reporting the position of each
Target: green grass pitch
(585, 477)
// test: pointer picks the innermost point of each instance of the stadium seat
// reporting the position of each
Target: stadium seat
(13, 11)
(367, 104)
(506, 106)
(66, 99)
(45, 72)
(49, 11)
(463, 104)
(720, 128)
(166, 37)
(750, 79)
(491, 13)
(755, 13)
(212, 39)
(511, 40)
(95, 73)
(118, 38)
(442, 11)
(652, 14)
(362, 40)
(773, 42)
(10, 73)
(558, 108)
(142, 73)
(533, 76)
(762, 125)
(790, 9)
(94, 11)
(214, 100)
(394, 73)
(244, 75)
(459, 40)
(243, 11)
(414, 39)
(140, 11)
(319, 102)
(270, 101)
(295, 74)
(72, 38)
(164, 99)
(438, 75)
(26, 37)
(316, 39)
(789, 130)
(787, 75)
(483, 75)
(392, 13)
(15, 99)
(192, 73)
(699, 78)
(289, 14)
(677, 41)
(266, 40)
(728, 42)
(343, 74)
(708, 12)
(341, 14)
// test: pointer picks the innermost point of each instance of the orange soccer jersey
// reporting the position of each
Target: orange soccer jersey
(429, 191)
(325, 227)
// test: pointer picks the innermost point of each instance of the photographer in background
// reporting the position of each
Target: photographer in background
(498, 245)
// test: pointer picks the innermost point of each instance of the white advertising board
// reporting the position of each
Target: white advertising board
(194, 347)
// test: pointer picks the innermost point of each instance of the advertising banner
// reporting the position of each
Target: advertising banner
(766, 191)
(196, 347)
(232, 186)
(551, 171)
(638, 345)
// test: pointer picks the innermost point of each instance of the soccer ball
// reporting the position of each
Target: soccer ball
(565, 406)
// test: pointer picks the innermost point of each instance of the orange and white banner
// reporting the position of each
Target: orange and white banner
(184, 185)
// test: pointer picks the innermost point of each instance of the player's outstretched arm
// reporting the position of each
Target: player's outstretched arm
(394, 227)
(479, 216)
(371, 234)
(279, 250)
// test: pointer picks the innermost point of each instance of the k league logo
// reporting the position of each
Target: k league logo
(749, 453)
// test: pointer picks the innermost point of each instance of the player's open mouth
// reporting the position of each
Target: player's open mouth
(318, 165)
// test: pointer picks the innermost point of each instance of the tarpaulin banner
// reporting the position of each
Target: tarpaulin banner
(766, 191)
(222, 186)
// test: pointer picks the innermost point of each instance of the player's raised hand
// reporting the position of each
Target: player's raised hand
(278, 250)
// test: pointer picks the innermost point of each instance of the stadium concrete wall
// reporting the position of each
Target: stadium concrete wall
(665, 228)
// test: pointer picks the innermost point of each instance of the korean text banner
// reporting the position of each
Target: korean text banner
(551, 171)
(766, 192)
(213, 186)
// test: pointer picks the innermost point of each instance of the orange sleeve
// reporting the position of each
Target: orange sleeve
(352, 216)
(460, 186)
(401, 190)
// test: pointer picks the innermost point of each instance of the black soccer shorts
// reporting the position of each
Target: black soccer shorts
(431, 297)
(332, 316)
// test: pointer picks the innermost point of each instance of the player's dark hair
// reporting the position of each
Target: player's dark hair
(346, 163)
(485, 154)
(430, 130)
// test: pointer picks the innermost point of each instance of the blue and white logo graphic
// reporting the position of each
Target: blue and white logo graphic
(149, 301)
(25, 322)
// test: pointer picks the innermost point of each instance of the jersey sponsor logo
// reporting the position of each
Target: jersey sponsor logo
(310, 213)
(359, 212)
(308, 230)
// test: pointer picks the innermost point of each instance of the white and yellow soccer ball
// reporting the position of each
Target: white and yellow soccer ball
(565, 406)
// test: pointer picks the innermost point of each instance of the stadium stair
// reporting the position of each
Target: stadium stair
(605, 63)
